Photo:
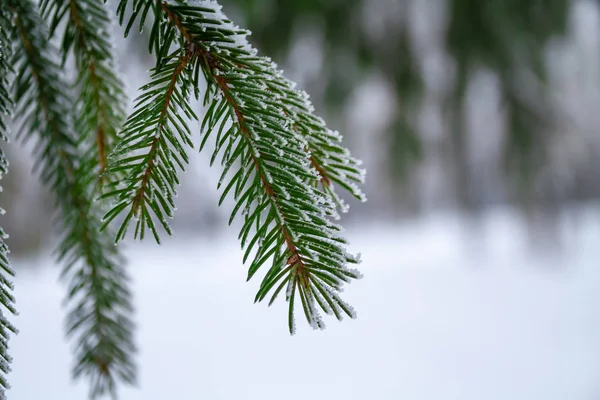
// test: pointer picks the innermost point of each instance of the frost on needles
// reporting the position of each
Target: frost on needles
(7, 299)
(280, 161)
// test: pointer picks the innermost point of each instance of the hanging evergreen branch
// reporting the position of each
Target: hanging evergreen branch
(100, 103)
(287, 159)
(158, 133)
(99, 300)
(6, 287)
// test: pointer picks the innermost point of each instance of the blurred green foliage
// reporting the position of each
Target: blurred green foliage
(507, 37)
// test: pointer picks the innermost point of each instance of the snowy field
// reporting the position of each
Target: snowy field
(440, 318)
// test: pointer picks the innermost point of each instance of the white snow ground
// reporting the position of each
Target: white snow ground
(439, 318)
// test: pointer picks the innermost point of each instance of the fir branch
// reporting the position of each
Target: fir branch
(101, 102)
(333, 162)
(158, 133)
(283, 151)
(99, 301)
(6, 287)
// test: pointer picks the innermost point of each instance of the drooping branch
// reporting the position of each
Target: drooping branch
(330, 159)
(282, 158)
(101, 101)
(256, 104)
(158, 133)
(98, 297)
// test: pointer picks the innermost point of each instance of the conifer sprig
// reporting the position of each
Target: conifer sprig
(283, 160)
(6, 287)
(100, 104)
(99, 316)
(153, 148)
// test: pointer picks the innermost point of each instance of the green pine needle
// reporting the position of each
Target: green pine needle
(282, 160)
(159, 135)
(281, 164)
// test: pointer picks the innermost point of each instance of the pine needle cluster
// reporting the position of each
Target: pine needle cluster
(280, 163)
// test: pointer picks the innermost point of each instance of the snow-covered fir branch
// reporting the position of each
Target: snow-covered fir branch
(281, 162)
